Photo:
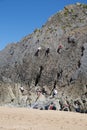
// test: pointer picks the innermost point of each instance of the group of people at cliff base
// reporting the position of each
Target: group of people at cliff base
(47, 51)
(64, 104)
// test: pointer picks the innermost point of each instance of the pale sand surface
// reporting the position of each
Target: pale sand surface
(28, 119)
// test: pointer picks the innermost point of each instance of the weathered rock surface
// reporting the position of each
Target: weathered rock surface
(19, 65)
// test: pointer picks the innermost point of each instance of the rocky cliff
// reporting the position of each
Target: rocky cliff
(38, 61)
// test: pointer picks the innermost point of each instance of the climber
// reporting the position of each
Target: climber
(71, 39)
(59, 48)
(22, 89)
(79, 64)
(82, 50)
(36, 53)
(59, 74)
(55, 92)
(39, 48)
(39, 91)
(44, 92)
(47, 51)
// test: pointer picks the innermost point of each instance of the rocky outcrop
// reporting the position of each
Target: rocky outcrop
(67, 68)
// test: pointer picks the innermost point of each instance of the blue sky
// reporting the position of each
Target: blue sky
(19, 18)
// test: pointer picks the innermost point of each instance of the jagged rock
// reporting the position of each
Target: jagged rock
(19, 65)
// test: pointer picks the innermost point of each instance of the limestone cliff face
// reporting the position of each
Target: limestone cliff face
(19, 64)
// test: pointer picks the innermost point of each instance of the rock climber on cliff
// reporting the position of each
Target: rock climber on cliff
(60, 47)
(82, 50)
(54, 91)
(47, 51)
(22, 89)
(36, 53)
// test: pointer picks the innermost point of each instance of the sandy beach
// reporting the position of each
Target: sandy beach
(28, 119)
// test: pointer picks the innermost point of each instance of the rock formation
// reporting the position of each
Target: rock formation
(20, 66)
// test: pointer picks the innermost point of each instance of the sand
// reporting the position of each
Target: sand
(31, 119)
